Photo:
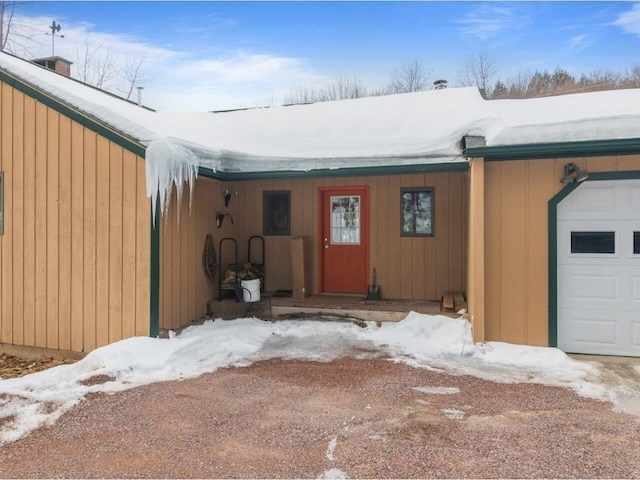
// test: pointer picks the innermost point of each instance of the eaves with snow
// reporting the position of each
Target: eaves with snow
(407, 129)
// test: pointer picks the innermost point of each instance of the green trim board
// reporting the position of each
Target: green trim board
(154, 307)
(74, 114)
(340, 172)
(590, 148)
(553, 241)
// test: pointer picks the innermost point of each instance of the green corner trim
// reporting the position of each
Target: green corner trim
(340, 172)
(553, 241)
(590, 148)
(74, 114)
(154, 310)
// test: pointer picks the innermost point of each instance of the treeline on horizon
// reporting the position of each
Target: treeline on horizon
(480, 71)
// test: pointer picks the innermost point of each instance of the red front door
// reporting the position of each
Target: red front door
(344, 242)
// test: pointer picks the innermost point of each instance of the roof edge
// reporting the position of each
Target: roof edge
(73, 113)
(338, 172)
(588, 148)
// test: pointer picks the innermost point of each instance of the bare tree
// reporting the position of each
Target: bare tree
(7, 9)
(632, 77)
(343, 88)
(133, 73)
(95, 64)
(301, 95)
(340, 89)
(16, 36)
(479, 70)
(411, 76)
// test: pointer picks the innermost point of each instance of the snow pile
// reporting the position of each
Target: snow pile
(421, 340)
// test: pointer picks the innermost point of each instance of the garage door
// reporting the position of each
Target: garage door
(599, 269)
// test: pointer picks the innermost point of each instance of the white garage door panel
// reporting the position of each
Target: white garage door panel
(599, 293)
(636, 198)
(635, 334)
(587, 328)
(597, 199)
(635, 296)
(581, 286)
(592, 287)
(587, 331)
(608, 200)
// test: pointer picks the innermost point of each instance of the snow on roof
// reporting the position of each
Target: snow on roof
(416, 128)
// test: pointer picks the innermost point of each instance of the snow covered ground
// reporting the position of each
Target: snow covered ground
(433, 342)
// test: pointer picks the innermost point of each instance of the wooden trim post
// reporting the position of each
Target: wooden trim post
(475, 245)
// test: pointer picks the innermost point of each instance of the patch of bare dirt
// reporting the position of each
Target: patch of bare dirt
(365, 418)
(12, 366)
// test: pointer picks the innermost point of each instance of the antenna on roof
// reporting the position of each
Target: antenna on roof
(55, 27)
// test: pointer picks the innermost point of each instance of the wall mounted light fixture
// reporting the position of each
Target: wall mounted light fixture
(220, 218)
(573, 174)
(228, 196)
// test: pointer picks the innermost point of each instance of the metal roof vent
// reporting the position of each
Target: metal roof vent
(440, 84)
(470, 141)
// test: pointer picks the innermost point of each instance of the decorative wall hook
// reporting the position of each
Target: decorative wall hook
(220, 218)
(228, 196)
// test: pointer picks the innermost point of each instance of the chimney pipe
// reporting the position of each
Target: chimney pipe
(140, 95)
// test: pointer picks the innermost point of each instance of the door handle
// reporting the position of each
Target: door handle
(326, 243)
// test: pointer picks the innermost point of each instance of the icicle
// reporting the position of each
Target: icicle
(168, 164)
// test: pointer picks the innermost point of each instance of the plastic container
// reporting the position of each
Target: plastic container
(251, 290)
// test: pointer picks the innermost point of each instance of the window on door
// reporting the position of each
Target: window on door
(345, 220)
(636, 243)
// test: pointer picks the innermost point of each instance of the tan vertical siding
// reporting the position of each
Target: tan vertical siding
(64, 234)
(40, 249)
(89, 239)
(408, 268)
(184, 289)
(143, 253)
(6, 152)
(29, 162)
(513, 266)
(53, 280)
(102, 241)
(18, 224)
(74, 213)
(516, 242)
(77, 237)
(129, 219)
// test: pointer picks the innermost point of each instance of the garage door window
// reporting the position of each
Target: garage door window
(636, 243)
(593, 242)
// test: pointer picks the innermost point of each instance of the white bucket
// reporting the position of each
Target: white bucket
(251, 290)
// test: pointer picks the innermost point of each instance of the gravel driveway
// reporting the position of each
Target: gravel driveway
(347, 418)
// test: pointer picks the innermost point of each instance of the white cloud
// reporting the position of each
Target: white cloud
(242, 67)
(175, 80)
(235, 81)
(487, 20)
(579, 42)
(629, 21)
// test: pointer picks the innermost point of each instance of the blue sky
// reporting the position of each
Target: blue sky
(215, 55)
